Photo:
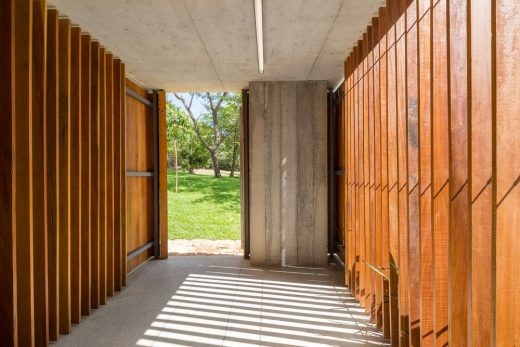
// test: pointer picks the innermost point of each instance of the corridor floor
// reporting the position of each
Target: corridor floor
(223, 301)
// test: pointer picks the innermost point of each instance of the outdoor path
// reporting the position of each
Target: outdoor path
(223, 301)
(204, 247)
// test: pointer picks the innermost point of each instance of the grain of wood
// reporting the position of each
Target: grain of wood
(64, 51)
(75, 174)
(41, 328)
(86, 283)
(52, 171)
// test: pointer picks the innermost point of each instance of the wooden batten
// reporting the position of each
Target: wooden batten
(8, 304)
(64, 31)
(40, 257)
(75, 174)
(118, 94)
(163, 175)
(94, 174)
(52, 171)
(110, 173)
(86, 57)
(102, 180)
(23, 212)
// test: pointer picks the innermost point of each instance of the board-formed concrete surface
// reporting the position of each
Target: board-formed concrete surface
(205, 45)
(223, 301)
(288, 170)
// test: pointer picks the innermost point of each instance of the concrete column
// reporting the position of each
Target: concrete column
(288, 163)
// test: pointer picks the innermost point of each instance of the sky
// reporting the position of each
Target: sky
(197, 107)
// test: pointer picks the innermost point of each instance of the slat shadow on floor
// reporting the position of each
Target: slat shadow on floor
(222, 301)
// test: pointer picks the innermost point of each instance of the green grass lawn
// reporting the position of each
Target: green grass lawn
(204, 208)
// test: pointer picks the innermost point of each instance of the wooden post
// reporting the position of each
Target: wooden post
(118, 94)
(8, 304)
(41, 317)
(460, 235)
(52, 171)
(481, 171)
(163, 175)
(102, 180)
(414, 245)
(94, 173)
(75, 175)
(64, 173)
(123, 177)
(85, 175)
(23, 25)
(110, 171)
(440, 172)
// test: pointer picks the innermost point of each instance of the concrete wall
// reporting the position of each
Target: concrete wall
(288, 163)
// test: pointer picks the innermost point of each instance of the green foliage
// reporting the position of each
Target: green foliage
(204, 207)
(190, 152)
(219, 131)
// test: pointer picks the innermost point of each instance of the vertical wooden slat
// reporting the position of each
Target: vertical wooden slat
(41, 318)
(507, 172)
(23, 23)
(385, 262)
(355, 184)
(118, 94)
(378, 256)
(365, 241)
(402, 169)
(64, 173)
(52, 171)
(163, 175)
(348, 138)
(425, 92)
(459, 235)
(85, 174)
(110, 171)
(414, 244)
(75, 175)
(352, 196)
(393, 206)
(94, 173)
(360, 252)
(481, 170)
(363, 198)
(123, 178)
(102, 180)
(440, 171)
(8, 304)
(371, 179)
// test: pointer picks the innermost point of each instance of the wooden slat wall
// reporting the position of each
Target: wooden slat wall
(57, 99)
(431, 117)
(139, 158)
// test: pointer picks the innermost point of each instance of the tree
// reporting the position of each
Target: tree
(214, 126)
(191, 154)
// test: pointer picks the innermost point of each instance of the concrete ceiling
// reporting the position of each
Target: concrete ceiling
(210, 45)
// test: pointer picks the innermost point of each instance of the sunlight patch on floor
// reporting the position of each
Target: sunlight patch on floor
(227, 309)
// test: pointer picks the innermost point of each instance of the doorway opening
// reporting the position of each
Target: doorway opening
(204, 168)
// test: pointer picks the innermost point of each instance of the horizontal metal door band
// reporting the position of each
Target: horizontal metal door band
(138, 97)
(139, 174)
(139, 250)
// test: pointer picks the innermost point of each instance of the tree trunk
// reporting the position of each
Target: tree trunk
(234, 162)
(216, 166)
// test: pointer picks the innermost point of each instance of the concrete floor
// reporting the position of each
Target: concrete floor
(223, 301)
